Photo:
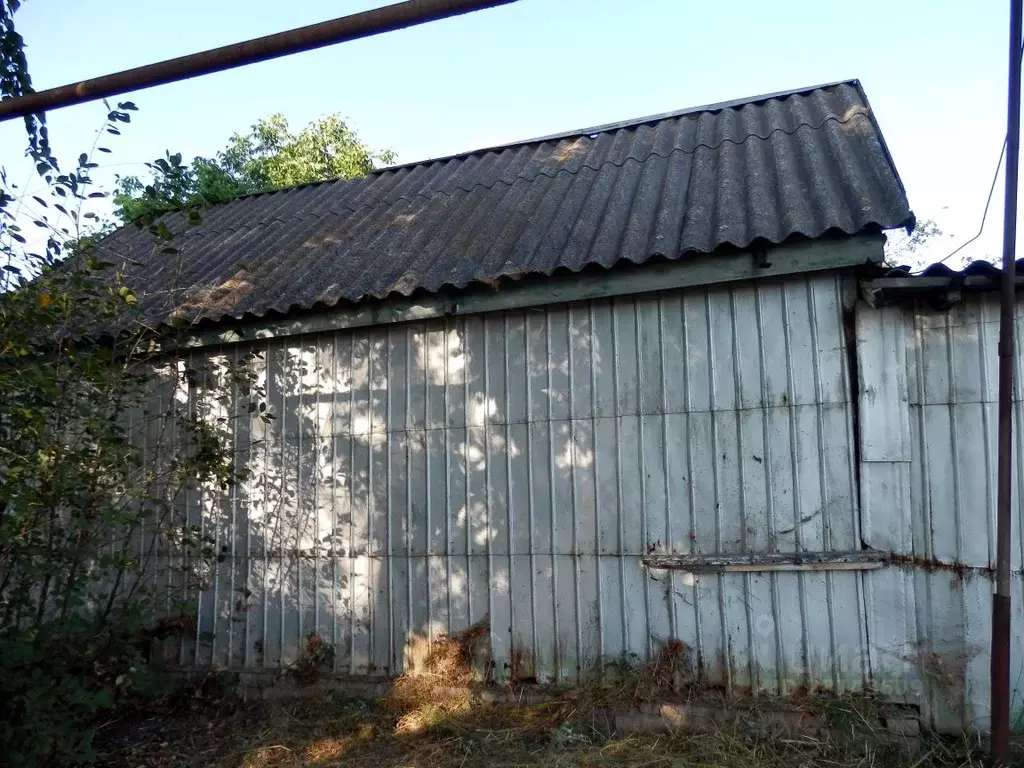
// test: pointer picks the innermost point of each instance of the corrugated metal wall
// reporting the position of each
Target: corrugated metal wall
(514, 467)
(928, 419)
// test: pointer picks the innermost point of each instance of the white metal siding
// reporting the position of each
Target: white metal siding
(514, 467)
(928, 416)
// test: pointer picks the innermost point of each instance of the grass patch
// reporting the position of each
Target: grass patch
(554, 734)
(436, 717)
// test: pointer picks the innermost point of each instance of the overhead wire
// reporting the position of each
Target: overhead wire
(984, 215)
(988, 200)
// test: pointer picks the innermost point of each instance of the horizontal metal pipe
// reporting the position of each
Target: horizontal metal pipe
(374, 22)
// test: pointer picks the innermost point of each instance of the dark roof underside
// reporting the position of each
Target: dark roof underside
(768, 169)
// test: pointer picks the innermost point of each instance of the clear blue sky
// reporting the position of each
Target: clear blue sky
(935, 73)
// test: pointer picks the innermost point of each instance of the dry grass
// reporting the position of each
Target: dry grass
(439, 687)
(433, 720)
(554, 734)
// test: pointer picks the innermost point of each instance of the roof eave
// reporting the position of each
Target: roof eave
(776, 261)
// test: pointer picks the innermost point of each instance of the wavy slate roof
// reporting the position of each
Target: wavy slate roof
(800, 163)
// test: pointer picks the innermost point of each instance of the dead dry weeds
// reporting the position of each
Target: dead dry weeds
(308, 732)
(436, 719)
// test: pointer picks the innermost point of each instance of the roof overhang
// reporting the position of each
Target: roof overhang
(531, 292)
(937, 286)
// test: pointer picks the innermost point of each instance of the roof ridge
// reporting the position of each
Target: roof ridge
(658, 117)
(430, 194)
(605, 128)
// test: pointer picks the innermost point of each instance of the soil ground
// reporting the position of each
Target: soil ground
(438, 718)
(327, 731)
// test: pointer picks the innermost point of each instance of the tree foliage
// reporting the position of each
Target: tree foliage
(15, 81)
(102, 434)
(268, 157)
(906, 249)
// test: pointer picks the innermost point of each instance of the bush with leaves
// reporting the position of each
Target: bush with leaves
(102, 433)
(268, 157)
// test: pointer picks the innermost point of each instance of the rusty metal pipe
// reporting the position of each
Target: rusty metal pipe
(1001, 616)
(386, 19)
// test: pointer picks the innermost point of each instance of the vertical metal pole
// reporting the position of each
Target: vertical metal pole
(1001, 598)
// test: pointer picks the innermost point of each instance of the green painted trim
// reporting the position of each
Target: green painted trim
(711, 269)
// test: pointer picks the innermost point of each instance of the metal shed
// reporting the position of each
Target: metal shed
(601, 392)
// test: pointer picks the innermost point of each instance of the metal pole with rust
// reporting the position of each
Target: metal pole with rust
(1007, 314)
(374, 22)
